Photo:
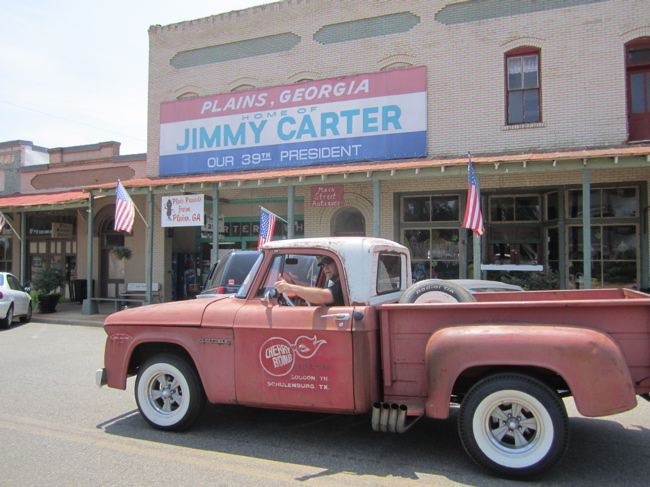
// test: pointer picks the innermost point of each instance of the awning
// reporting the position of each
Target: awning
(18, 202)
(570, 159)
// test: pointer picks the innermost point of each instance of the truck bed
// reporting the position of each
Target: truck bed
(406, 329)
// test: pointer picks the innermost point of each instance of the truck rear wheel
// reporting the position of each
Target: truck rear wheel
(436, 291)
(513, 425)
(168, 393)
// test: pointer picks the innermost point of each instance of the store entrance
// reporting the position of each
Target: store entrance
(111, 271)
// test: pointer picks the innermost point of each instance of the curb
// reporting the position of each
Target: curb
(39, 318)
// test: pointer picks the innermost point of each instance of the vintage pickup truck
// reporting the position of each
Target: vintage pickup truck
(395, 351)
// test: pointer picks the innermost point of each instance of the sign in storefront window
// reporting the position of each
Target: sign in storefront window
(182, 211)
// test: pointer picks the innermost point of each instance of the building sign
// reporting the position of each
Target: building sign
(366, 117)
(206, 229)
(329, 195)
(232, 229)
(62, 230)
(186, 210)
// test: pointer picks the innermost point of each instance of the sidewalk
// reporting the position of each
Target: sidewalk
(70, 314)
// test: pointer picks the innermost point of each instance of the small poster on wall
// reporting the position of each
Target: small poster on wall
(182, 211)
(327, 195)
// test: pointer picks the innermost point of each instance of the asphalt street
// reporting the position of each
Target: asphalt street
(58, 429)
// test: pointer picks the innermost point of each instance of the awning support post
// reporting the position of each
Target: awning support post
(88, 306)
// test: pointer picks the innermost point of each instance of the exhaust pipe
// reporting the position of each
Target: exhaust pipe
(376, 412)
(383, 417)
(390, 417)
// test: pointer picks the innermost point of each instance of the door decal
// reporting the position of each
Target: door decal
(278, 355)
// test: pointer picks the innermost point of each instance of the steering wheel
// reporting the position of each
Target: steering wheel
(288, 299)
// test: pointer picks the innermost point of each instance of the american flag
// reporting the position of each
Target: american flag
(473, 218)
(3, 222)
(124, 210)
(267, 226)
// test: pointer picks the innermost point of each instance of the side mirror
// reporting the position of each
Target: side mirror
(271, 294)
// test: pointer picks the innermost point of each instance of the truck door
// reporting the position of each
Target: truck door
(293, 355)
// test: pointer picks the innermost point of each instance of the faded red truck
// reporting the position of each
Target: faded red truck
(394, 351)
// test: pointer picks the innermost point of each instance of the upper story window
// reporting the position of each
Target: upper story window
(638, 89)
(523, 86)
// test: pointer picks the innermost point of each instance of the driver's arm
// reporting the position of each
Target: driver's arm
(314, 295)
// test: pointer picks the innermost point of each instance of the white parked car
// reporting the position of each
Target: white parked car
(15, 300)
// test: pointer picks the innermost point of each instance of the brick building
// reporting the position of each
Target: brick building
(551, 99)
(42, 198)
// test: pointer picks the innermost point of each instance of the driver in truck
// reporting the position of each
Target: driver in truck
(330, 296)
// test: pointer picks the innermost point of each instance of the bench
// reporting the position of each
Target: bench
(120, 303)
(137, 292)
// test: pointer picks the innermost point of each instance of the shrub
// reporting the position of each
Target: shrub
(48, 279)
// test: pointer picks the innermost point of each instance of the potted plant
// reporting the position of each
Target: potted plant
(46, 282)
(121, 252)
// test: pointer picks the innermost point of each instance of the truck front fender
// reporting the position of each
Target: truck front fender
(589, 361)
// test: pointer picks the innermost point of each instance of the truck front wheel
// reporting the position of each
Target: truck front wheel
(168, 393)
(436, 291)
(513, 425)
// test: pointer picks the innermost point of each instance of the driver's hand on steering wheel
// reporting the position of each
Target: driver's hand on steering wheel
(281, 285)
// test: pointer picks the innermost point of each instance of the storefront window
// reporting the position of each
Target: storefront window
(435, 253)
(605, 203)
(613, 255)
(5, 254)
(443, 208)
(552, 206)
(512, 239)
(553, 248)
(514, 208)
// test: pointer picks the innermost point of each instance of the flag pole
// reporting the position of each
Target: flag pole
(276, 216)
(476, 238)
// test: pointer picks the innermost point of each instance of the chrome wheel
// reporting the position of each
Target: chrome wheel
(168, 393)
(513, 425)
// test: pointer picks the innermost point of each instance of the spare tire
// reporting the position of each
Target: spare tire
(436, 291)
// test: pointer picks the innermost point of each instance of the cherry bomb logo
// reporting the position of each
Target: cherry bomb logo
(278, 355)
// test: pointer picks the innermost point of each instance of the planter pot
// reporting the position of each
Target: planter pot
(47, 303)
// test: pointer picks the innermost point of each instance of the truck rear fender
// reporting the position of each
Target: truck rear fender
(589, 361)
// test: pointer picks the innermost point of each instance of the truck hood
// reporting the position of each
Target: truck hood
(177, 313)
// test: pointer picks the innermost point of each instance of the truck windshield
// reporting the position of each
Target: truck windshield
(294, 268)
(245, 287)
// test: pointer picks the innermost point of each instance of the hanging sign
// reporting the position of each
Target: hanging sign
(328, 195)
(62, 230)
(186, 210)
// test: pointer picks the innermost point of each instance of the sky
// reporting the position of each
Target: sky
(74, 72)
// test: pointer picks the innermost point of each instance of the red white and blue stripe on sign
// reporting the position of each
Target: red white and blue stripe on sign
(366, 117)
